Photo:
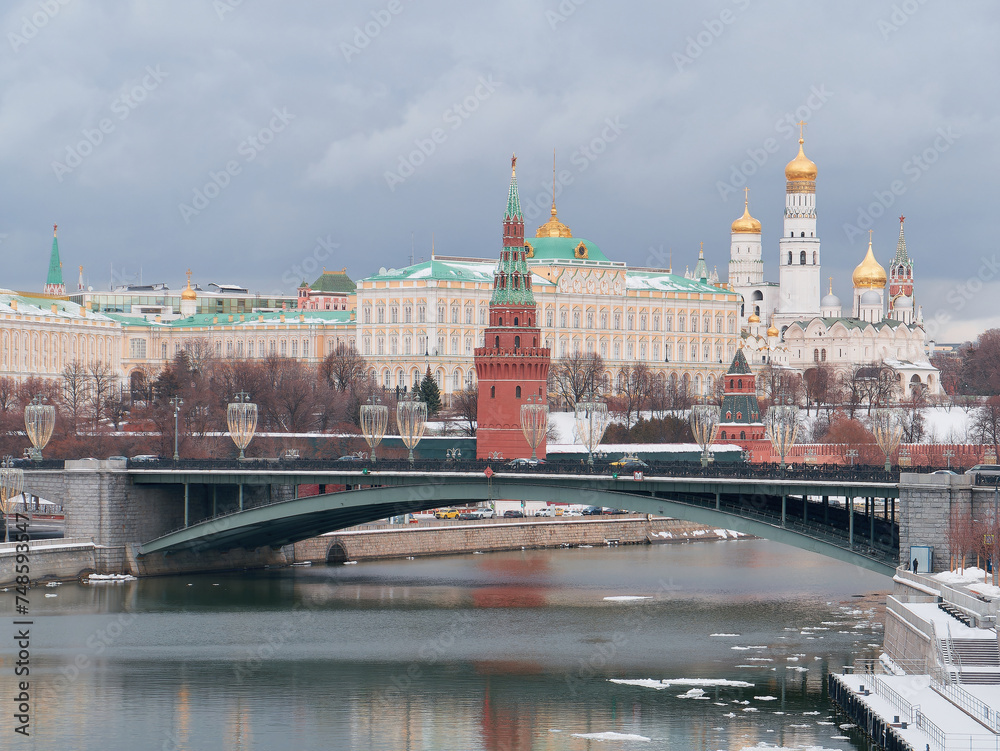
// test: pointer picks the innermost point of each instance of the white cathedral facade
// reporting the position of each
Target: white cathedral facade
(792, 323)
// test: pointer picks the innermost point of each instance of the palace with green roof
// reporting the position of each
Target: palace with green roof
(433, 313)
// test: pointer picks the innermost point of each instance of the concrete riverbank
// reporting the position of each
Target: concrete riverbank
(400, 541)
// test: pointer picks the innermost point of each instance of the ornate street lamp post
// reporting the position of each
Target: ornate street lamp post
(888, 430)
(782, 423)
(411, 419)
(591, 422)
(534, 422)
(177, 403)
(704, 419)
(241, 416)
(374, 420)
(11, 485)
(39, 420)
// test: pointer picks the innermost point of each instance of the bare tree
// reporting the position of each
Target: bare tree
(870, 385)
(818, 382)
(986, 424)
(576, 377)
(912, 410)
(466, 406)
(962, 536)
(344, 368)
(75, 385)
(778, 385)
(633, 390)
(102, 383)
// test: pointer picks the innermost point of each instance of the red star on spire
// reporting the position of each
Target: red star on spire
(901, 219)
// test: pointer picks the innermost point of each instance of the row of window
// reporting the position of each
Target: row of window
(49, 352)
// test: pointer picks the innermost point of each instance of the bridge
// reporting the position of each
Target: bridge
(804, 508)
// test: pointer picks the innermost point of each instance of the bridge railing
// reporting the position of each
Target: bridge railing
(734, 470)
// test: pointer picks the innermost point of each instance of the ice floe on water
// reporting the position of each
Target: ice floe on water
(723, 634)
(109, 578)
(757, 646)
(766, 698)
(694, 693)
(609, 736)
(668, 682)
(628, 598)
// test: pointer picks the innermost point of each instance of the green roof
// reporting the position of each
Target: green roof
(250, 320)
(562, 248)
(740, 365)
(334, 281)
(55, 265)
(513, 201)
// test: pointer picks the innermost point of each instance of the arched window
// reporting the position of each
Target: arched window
(802, 234)
(743, 435)
(802, 258)
(498, 342)
(723, 435)
(517, 341)
(815, 355)
(493, 392)
(517, 392)
(515, 320)
(789, 258)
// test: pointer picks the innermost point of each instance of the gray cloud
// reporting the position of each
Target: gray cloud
(699, 88)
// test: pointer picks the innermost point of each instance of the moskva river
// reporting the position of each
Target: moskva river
(715, 645)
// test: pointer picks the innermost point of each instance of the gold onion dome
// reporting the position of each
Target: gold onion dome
(754, 318)
(553, 227)
(801, 167)
(188, 293)
(772, 330)
(869, 274)
(746, 223)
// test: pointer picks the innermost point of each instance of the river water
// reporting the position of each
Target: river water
(500, 652)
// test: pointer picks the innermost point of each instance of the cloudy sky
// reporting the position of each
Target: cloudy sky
(257, 142)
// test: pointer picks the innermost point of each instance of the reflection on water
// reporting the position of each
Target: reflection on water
(500, 652)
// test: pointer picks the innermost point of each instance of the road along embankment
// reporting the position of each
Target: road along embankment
(398, 541)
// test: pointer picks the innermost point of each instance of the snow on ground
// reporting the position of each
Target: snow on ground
(973, 579)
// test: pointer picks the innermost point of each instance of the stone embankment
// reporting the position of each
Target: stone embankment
(422, 539)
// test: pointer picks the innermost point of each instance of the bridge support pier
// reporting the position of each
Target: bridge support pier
(850, 522)
(717, 494)
(784, 505)
(241, 495)
(871, 526)
(187, 497)
(826, 509)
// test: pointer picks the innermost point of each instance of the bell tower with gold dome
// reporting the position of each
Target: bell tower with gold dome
(798, 250)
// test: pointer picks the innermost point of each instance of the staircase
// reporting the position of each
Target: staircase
(972, 661)
(956, 612)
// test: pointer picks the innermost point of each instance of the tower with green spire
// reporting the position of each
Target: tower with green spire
(900, 272)
(512, 366)
(54, 282)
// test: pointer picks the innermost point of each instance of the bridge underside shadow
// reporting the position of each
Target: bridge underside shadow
(287, 522)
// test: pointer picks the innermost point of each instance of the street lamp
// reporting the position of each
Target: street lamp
(453, 454)
(948, 454)
(39, 420)
(851, 454)
(591, 422)
(411, 419)
(704, 419)
(241, 416)
(11, 485)
(177, 403)
(534, 422)
(888, 430)
(782, 423)
(374, 420)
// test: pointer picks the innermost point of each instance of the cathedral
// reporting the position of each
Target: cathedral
(791, 323)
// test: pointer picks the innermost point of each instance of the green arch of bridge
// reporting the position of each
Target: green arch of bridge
(290, 521)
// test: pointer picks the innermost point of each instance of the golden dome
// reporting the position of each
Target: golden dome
(746, 223)
(553, 227)
(801, 167)
(772, 330)
(869, 274)
(188, 293)
(754, 318)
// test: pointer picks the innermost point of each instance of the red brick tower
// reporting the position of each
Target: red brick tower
(511, 366)
(741, 422)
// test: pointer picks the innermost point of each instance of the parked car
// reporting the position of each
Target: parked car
(349, 458)
(945, 472)
(984, 469)
(146, 458)
(513, 514)
(546, 511)
(525, 462)
(592, 511)
(446, 513)
(485, 513)
(469, 515)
